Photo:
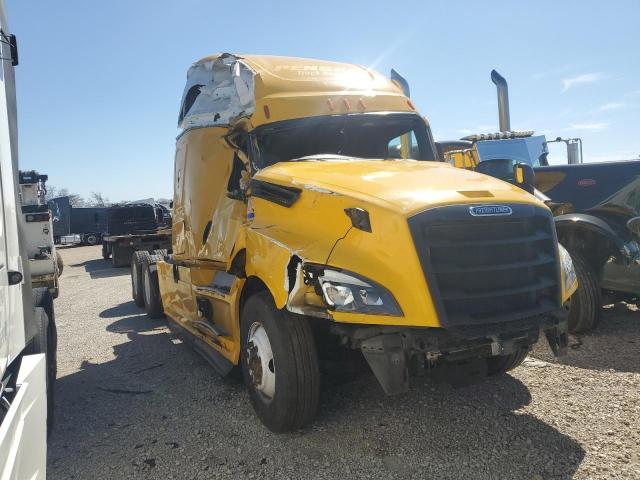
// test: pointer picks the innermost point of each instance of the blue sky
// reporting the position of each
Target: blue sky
(99, 83)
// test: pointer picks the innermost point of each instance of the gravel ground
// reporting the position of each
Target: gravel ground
(134, 401)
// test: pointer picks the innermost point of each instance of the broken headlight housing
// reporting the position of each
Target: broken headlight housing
(348, 292)
(568, 271)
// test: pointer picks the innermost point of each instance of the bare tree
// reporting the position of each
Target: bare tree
(76, 200)
(55, 192)
(97, 199)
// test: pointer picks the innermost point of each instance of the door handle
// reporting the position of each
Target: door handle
(14, 277)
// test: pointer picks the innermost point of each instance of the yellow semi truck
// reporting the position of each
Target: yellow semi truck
(298, 232)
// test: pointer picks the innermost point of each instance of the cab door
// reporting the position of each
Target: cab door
(212, 213)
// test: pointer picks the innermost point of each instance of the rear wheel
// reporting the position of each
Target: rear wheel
(279, 364)
(151, 289)
(59, 263)
(105, 251)
(46, 341)
(160, 253)
(137, 260)
(120, 256)
(91, 239)
(586, 303)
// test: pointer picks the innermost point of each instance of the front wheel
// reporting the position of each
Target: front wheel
(586, 303)
(279, 364)
(503, 363)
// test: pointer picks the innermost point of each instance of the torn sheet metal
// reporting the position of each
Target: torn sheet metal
(217, 92)
(267, 259)
(302, 297)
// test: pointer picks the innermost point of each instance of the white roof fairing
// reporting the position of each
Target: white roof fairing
(223, 90)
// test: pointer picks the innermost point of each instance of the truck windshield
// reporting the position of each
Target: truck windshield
(370, 135)
(531, 150)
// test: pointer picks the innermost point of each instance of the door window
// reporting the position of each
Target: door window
(404, 146)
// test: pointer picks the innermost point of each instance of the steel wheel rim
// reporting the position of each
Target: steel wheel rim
(260, 362)
(147, 287)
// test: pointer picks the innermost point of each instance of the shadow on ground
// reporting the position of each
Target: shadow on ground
(123, 310)
(613, 344)
(100, 268)
(157, 404)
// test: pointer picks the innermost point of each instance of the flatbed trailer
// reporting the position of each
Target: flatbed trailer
(121, 247)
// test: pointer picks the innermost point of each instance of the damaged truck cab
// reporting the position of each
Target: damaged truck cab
(298, 232)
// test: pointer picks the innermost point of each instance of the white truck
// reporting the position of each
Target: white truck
(27, 322)
(45, 264)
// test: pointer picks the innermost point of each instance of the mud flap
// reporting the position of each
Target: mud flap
(558, 338)
(386, 357)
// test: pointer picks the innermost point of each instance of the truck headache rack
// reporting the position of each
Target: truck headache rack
(488, 269)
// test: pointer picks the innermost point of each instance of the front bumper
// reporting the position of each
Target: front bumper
(395, 352)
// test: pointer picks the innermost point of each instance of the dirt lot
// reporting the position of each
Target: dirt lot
(134, 401)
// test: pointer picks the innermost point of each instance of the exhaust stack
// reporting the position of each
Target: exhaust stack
(503, 101)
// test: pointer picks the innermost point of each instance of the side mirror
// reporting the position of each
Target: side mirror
(524, 176)
(13, 49)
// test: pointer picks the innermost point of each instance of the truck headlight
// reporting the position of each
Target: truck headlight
(568, 272)
(346, 292)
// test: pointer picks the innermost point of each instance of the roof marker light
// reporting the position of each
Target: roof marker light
(410, 105)
(362, 104)
(330, 103)
(267, 113)
(346, 103)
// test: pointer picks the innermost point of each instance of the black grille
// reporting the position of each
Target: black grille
(485, 269)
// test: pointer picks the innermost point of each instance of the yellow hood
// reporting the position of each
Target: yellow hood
(407, 186)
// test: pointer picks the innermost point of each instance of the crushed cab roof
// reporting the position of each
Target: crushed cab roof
(223, 88)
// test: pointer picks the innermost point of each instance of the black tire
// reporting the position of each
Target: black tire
(59, 263)
(115, 251)
(105, 251)
(586, 303)
(296, 388)
(120, 256)
(503, 363)
(160, 253)
(137, 260)
(91, 239)
(151, 289)
(46, 341)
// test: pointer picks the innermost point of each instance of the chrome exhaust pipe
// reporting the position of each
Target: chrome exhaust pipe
(503, 101)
